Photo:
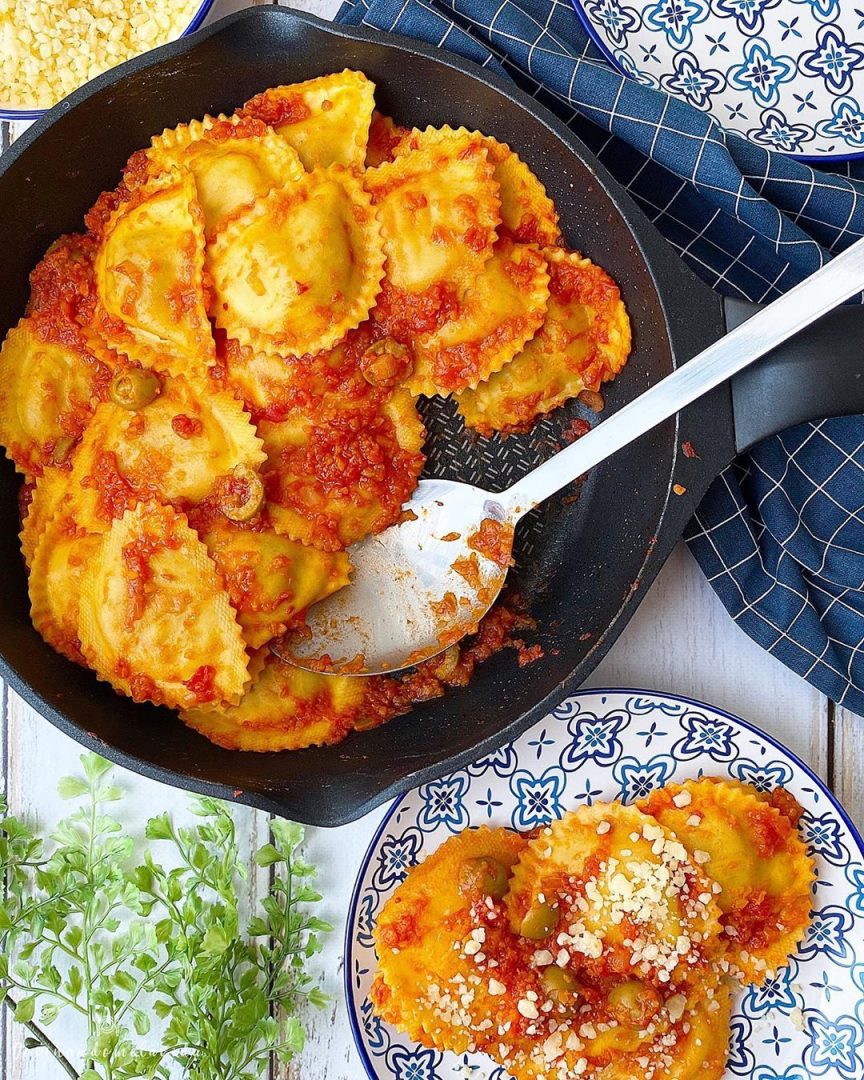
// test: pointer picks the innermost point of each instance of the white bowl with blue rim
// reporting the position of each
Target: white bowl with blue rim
(20, 110)
(788, 74)
(808, 1021)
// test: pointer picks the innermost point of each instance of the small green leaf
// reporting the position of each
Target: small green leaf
(71, 787)
(94, 766)
(25, 1010)
(268, 855)
(215, 941)
(141, 1021)
(158, 828)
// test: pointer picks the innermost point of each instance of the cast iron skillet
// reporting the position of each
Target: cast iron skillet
(585, 565)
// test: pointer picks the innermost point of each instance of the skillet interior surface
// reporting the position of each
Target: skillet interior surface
(580, 562)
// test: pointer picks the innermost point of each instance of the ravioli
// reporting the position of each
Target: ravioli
(215, 386)
(620, 892)
(274, 386)
(439, 209)
(696, 1049)
(343, 470)
(270, 579)
(417, 984)
(155, 621)
(46, 498)
(286, 708)
(500, 311)
(583, 342)
(528, 215)
(174, 450)
(301, 267)
(384, 137)
(60, 560)
(757, 858)
(149, 278)
(47, 393)
(325, 120)
(234, 161)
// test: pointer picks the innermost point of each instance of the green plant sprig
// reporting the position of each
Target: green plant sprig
(119, 940)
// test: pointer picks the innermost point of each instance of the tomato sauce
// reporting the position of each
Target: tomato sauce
(494, 539)
(403, 315)
(186, 426)
(202, 684)
(277, 110)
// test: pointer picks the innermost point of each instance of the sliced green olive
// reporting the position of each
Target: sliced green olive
(633, 1003)
(446, 663)
(62, 449)
(134, 388)
(367, 721)
(539, 922)
(483, 876)
(242, 494)
(558, 980)
(386, 363)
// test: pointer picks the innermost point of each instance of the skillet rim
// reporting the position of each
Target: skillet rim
(674, 297)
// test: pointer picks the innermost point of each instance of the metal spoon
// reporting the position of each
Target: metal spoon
(423, 584)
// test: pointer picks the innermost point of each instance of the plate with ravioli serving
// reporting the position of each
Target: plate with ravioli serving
(641, 885)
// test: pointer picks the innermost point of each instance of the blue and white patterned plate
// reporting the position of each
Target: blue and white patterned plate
(786, 73)
(621, 744)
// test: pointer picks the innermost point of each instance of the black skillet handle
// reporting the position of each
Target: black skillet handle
(819, 372)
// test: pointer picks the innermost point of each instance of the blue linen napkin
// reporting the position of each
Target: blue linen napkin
(780, 535)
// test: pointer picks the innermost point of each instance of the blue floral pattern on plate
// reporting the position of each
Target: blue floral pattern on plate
(797, 67)
(808, 1021)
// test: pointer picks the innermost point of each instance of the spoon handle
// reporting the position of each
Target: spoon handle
(812, 298)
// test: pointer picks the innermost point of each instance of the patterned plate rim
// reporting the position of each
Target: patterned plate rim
(807, 159)
(371, 1072)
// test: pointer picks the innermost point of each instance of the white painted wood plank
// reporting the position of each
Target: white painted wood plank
(848, 740)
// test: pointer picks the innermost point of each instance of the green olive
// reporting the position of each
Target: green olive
(446, 664)
(633, 1003)
(386, 362)
(483, 876)
(62, 449)
(242, 494)
(539, 922)
(367, 721)
(558, 980)
(134, 388)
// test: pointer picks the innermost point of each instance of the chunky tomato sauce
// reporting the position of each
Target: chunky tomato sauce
(186, 426)
(277, 110)
(403, 315)
(494, 539)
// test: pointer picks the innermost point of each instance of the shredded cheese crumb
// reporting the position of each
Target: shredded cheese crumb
(51, 47)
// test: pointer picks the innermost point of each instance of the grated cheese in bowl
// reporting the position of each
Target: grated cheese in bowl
(48, 48)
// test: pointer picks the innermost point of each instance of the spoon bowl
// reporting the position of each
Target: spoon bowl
(417, 587)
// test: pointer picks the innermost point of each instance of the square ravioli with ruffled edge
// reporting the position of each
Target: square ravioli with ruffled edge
(752, 849)
(234, 161)
(227, 360)
(149, 272)
(300, 267)
(288, 708)
(325, 120)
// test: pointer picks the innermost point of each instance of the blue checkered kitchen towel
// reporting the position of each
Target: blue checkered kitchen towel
(780, 535)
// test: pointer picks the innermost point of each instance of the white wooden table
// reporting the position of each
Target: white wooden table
(680, 640)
